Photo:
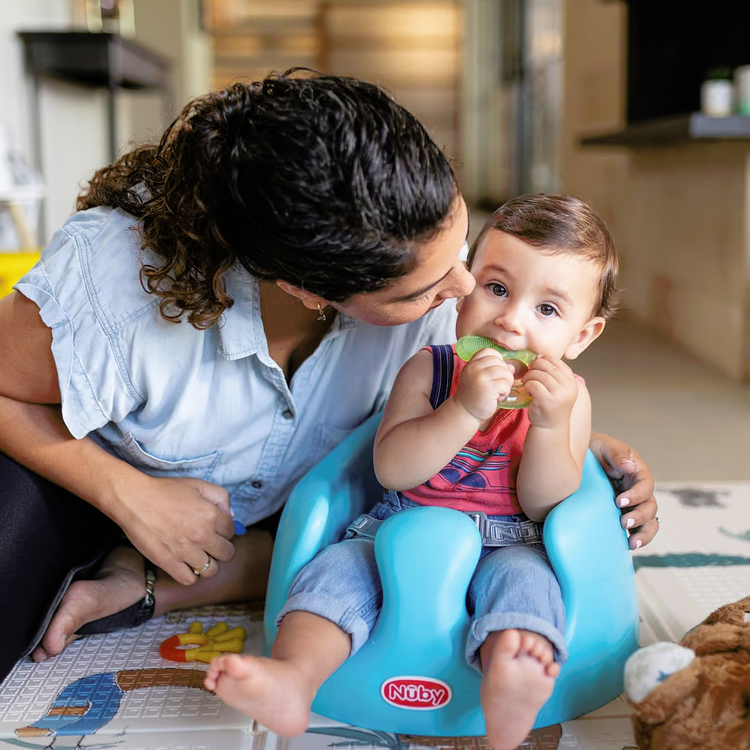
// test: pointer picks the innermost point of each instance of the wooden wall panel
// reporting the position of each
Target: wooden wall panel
(411, 47)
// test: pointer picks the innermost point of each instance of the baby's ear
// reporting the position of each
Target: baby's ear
(589, 333)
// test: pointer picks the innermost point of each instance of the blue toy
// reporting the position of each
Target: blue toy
(411, 676)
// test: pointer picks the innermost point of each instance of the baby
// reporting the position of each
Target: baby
(545, 269)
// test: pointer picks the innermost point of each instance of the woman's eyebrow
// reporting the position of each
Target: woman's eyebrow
(422, 292)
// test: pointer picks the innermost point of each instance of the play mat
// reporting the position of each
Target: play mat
(128, 697)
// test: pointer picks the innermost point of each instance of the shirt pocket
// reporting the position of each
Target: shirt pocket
(326, 438)
(201, 467)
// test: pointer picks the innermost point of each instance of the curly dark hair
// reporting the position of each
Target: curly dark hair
(321, 181)
(561, 224)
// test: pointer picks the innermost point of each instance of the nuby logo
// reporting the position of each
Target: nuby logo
(416, 693)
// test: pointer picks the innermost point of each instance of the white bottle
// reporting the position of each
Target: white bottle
(717, 97)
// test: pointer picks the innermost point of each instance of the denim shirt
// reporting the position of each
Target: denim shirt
(173, 400)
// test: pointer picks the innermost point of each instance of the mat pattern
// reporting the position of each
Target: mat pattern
(699, 561)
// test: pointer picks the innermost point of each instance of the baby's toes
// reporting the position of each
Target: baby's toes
(538, 647)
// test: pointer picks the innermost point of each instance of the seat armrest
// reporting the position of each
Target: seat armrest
(334, 492)
(589, 552)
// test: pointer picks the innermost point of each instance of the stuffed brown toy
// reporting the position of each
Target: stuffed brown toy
(695, 694)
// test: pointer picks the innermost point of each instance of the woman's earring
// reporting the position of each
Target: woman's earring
(321, 314)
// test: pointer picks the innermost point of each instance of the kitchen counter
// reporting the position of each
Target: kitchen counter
(690, 127)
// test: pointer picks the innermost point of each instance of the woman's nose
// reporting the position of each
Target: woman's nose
(462, 284)
(465, 282)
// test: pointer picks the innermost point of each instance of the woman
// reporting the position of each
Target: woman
(223, 309)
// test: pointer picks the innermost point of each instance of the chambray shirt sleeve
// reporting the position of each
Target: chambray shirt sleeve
(94, 386)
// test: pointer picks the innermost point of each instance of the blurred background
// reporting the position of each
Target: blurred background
(604, 99)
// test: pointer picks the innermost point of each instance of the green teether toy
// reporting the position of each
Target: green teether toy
(468, 346)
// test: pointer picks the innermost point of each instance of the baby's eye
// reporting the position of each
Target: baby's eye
(547, 310)
(498, 290)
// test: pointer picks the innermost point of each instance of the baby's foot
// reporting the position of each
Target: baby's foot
(519, 675)
(270, 691)
(118, 584)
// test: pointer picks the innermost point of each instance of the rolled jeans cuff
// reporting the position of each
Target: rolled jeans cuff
(346, 618)
(497, 621)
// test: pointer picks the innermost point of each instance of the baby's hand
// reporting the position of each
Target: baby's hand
(553, 387)
(485, 381)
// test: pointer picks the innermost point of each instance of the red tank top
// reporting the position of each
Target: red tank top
(482, 477)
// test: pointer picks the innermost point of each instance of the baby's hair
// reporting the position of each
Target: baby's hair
(561, 224)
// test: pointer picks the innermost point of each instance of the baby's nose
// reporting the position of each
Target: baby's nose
(511, 319)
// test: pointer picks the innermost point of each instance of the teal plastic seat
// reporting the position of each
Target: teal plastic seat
(411, 676)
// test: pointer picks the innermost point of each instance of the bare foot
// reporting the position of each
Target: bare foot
(519, 675)
(271, 691)
(119, 583)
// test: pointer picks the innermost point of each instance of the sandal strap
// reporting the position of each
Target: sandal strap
(132, 616)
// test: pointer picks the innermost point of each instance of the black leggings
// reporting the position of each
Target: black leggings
(48, 537)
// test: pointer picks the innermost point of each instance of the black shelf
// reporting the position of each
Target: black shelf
(694, 127)
(96, 60)
(670, 49)
(93, 60)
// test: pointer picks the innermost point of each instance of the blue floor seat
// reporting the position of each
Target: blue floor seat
(411, 676)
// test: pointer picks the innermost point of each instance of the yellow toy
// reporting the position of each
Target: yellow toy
(217, 640)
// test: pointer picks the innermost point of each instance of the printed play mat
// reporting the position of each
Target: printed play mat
(116, 690)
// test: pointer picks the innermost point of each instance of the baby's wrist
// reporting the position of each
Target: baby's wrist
(550, 427)
(465, 411)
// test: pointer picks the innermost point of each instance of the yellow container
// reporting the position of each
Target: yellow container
(12, 267)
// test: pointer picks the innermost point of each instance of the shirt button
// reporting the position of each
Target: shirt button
(256, 483)
(287, 414)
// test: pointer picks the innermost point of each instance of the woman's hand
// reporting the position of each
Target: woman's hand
(175, 522)
(178, 523)
(633, 481)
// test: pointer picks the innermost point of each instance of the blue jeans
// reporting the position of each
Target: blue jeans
(513, 587)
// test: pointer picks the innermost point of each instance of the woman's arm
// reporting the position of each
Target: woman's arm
(634, 484)
(174, 522)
